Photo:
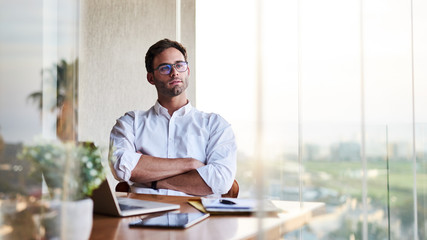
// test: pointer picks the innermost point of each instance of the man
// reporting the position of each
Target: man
(173, 149)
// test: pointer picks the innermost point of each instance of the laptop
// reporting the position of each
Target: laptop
(106, 202)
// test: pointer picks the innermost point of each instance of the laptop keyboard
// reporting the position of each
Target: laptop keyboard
(129, 204)
(129, 207)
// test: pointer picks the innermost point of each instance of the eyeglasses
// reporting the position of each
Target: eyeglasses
(167, 68)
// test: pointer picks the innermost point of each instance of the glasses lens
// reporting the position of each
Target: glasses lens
(165, 69)
(181, 67)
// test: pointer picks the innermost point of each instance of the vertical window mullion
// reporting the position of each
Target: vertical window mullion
(363, 127)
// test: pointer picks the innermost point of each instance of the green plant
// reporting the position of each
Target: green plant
(71, 171)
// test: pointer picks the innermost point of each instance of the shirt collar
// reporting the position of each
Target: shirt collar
(180, 112)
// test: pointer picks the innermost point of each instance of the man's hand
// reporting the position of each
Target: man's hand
(189, 183)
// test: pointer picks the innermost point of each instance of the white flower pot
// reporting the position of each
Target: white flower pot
(76, 219)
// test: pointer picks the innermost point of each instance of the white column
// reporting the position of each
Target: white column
(49, 77)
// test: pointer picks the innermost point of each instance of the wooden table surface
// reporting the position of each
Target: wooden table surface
(216, 227)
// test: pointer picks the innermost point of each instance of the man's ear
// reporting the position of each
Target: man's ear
(150, 78)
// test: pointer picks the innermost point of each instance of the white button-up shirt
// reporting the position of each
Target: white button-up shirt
(188, 133)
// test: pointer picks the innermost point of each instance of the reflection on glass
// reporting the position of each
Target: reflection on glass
(23, 68)
(65, 98)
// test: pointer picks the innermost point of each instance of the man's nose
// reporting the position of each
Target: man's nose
(174, 71)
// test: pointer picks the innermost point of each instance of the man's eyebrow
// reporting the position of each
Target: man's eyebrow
(179, 61)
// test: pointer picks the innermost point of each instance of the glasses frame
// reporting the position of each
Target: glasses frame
(172, 66)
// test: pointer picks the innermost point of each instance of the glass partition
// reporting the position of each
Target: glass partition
(38, 75)
(332, 95)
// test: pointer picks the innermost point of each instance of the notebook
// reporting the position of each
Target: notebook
(236, 205)
(106, 202)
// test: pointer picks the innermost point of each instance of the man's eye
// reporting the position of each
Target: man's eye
(165, 68)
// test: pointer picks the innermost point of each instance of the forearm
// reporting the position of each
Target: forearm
(190, 183)
(151, 168)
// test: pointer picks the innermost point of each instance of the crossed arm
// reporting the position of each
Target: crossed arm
(177, 174)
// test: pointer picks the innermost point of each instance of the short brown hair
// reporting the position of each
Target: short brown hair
(159, 47)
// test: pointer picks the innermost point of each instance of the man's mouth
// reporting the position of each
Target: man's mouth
(175, 81)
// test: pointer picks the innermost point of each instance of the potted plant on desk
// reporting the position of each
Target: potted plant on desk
(71, 172)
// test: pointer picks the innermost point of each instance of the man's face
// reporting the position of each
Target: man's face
(174, 83)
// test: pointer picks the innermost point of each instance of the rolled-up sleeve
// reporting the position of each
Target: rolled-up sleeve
(124, 155)
(220, 170)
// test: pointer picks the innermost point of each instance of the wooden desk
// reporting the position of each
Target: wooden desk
(215, 227)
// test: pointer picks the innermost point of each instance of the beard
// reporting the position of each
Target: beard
(162, 87)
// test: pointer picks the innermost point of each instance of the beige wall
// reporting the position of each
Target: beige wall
(114, 37)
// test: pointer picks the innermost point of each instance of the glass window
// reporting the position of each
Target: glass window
(38, 75)
(328, 97)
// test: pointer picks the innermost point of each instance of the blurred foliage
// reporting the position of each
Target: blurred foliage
(71, 171)
(66, 77)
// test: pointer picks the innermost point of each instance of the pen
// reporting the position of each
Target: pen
(228, 202)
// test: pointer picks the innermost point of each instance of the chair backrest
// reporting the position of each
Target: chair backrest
(122, 187)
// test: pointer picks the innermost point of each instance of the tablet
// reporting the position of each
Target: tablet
(170, 220)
